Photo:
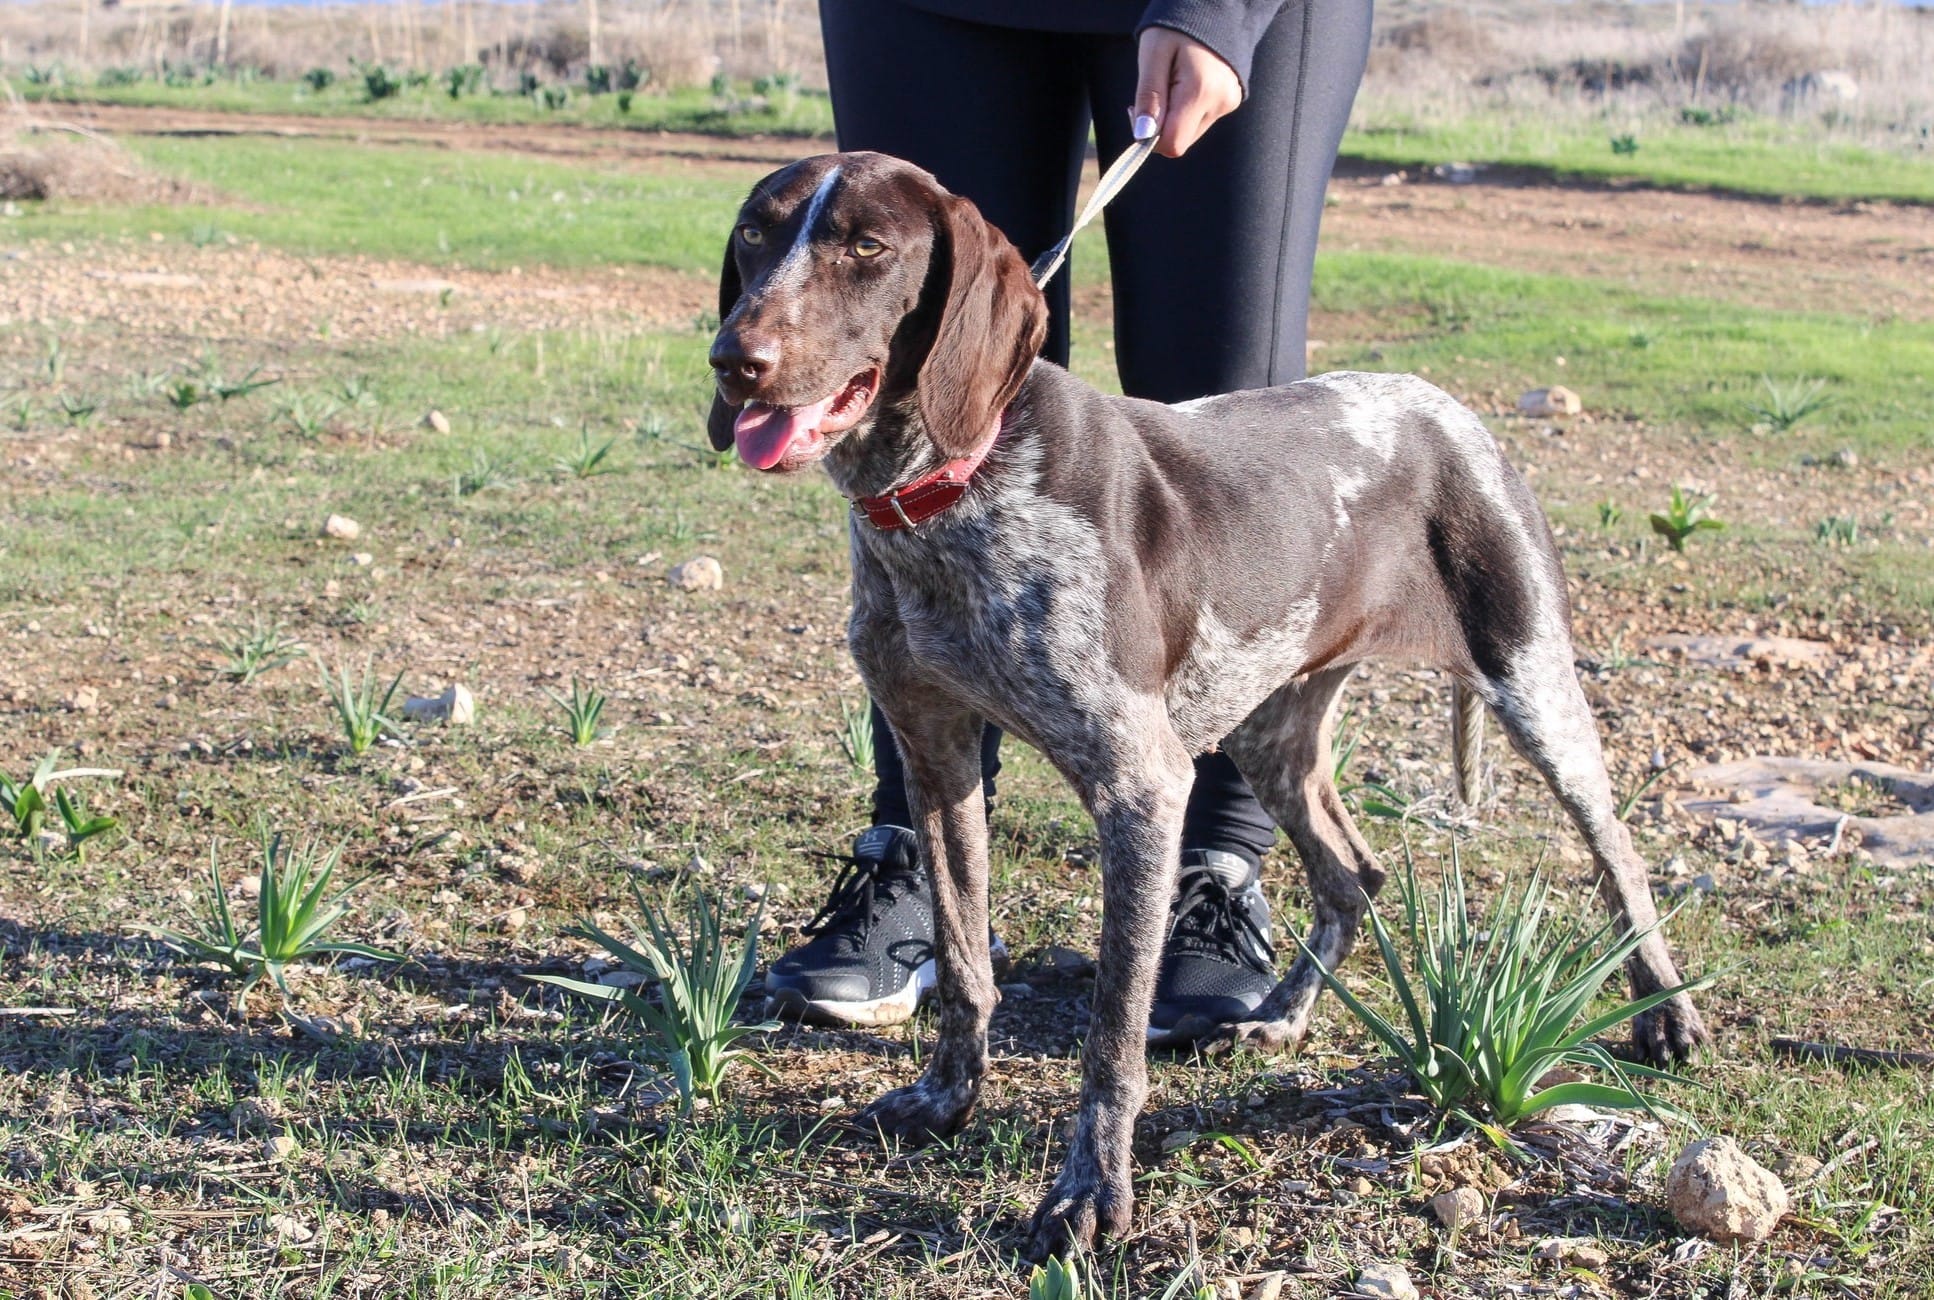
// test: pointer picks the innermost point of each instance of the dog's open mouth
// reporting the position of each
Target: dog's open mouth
(790, 437)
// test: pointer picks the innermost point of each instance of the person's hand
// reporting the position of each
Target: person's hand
(1183, 88)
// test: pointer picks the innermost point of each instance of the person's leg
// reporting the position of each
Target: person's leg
(1212, 255)
(999, 116)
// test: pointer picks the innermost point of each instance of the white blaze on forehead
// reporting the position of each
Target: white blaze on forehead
(798, 258)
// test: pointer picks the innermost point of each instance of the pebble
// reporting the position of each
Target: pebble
(341, 528)
(280, 1147)
(437, 422)
(1716, 1190)
(455, 706)
(701, 573)
(85, 699)
(1460, 1207)
(1553, 401)
(1389, 1280)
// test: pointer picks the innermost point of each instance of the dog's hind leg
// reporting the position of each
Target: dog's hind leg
(940, 745)
(1542, 708)
(1284, 748)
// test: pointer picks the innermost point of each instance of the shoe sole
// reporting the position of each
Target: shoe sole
(1186, 1032)
(878, 1013)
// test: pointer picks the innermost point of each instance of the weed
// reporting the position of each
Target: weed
(78, 410)
(856, 732)
(468, 79)
(485, 472)
(186, 393)
(205, 233)
(53, 362)
(1786, 405)
(624, 101)
(23, 412)
(1610, 514)
(1837, 530)
(688, 1026)
(293, 915)
(363, 713)
(1075, 1278)
(597, 79)
(1625, 145)
(379, 82)
(356, 392)
(24, 804)
(583, 709)
(256, 649)
(587, 461)
(309, 415)
(1370, 797)
(242, 387)
(556, 97)
(1697, 115)
(319, 79)
(1637, 792)
(1491, 1008)
(1682, 517)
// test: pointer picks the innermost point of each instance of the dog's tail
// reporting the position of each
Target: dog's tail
(1467, 741)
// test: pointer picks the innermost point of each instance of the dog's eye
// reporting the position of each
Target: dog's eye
(752, 235)
(867, 246)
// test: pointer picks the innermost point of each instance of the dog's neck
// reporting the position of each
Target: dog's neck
(893, 451)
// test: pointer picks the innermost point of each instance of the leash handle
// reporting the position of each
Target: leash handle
(1112, 182)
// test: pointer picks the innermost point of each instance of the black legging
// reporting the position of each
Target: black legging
(1210, 254)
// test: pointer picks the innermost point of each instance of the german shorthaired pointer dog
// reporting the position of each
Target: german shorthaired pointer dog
(1122, 585)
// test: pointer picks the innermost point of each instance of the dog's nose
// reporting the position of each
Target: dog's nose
(745, 357)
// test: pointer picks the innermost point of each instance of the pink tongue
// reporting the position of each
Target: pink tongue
(765, 433)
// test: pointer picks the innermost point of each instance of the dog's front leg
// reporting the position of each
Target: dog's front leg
(940, 746)
(1137, 809)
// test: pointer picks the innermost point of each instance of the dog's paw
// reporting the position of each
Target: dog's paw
(1670, 1033)
(918, 1114)
(1078, 1211)
(1270, 1037)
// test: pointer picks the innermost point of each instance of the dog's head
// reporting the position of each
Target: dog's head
(853, 282)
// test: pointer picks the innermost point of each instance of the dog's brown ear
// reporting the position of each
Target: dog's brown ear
(992, 322)
(718, 425)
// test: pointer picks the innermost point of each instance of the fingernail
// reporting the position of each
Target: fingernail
(1145, 126)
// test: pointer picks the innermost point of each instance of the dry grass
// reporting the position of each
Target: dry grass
(1438, 63)
(40, 159)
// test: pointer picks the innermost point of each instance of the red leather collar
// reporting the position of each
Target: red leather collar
(929, 494)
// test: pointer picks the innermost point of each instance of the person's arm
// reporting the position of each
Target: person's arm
(1194, 64)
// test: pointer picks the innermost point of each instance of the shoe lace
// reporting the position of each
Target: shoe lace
(1207, 918)
(860, 889)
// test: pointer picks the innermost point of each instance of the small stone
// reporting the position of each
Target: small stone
(362, 559)
(280, 1147)
(702, 573)
(341, 528)
(755, 892)
(515, 919)
(1177, 1140)
(455, 706)
(1589, 1257)
(1388, 1280)
(1016, 992)
(1547, 402)
(110, 1222)
(162, 440)
(1067, 963)
(289, 1229)
(1716, 1190)
(437, 422)
(1361, 1187)
(85, 699)
(1461, 1207)
(1845, 458)
(1796, 1168)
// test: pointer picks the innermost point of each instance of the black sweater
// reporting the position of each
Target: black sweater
(1232, 28)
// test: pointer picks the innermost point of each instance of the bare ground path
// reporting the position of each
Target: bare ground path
(1873, 258)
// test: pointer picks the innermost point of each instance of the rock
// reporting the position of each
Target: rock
(701, 573)
(1547, 402)
(515, 919)
(455, 706)
(1067, 963)
(1175, 1141)
(280, 1147)
(437, 422)
(341, 528)
(1845, 458)
(1457, 173)
(85, 699)
(1388, 1280)
(1796, 1168)
(1461, 1207)
(1716, 1190)
(362, 559)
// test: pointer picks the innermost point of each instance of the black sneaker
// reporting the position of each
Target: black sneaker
(1218, 963)
(868, 959)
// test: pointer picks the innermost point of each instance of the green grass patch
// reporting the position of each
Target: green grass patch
(1750, 156)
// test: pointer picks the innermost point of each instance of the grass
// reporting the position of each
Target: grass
(1753, 156)
(465, 1134)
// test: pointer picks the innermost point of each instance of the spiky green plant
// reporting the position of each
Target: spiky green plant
(25, 804)
(249, 652)
(1490, 1008)
(583, 709)
(856, 738)
(587, 460)
(692, 992)
(294, 914)
(1682, 517)
(1786, 405)
(362, 711)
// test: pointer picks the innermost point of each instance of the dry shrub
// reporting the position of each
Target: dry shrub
(1744, 60)
(43, 161)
